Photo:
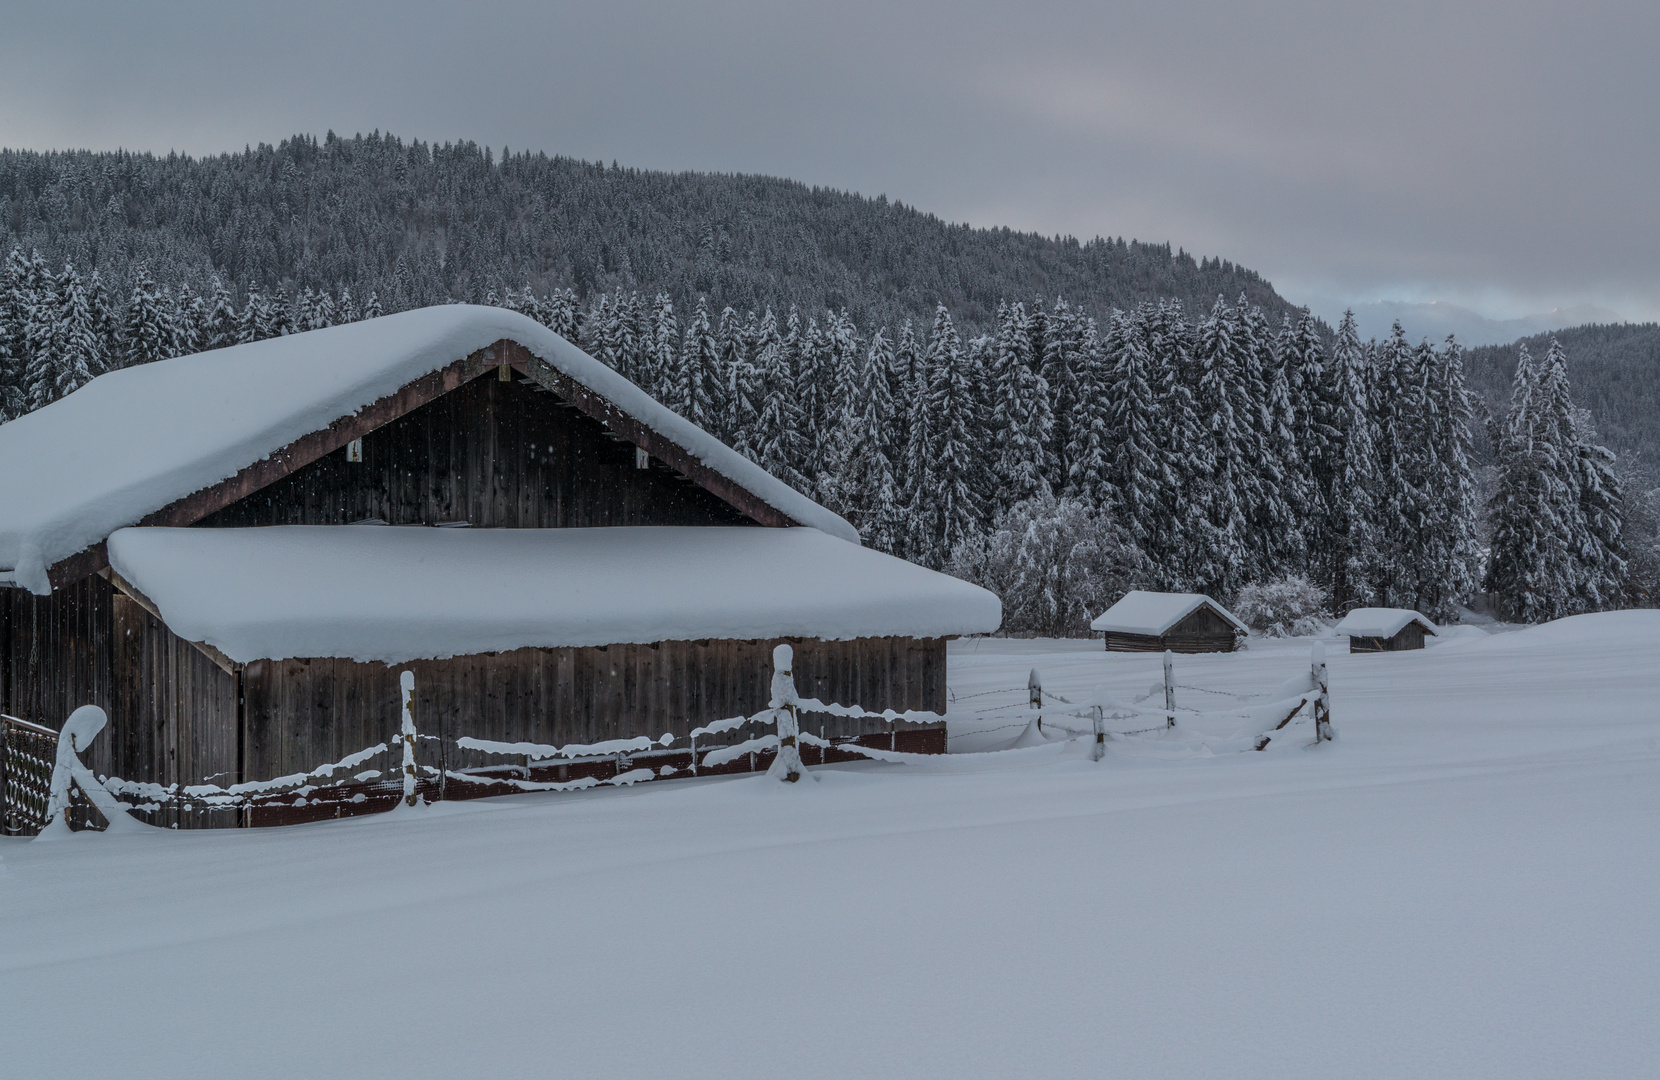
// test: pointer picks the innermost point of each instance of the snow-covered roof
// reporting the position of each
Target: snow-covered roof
(1154, 613)
(1384, 622)
(389, 593)
(133, 441)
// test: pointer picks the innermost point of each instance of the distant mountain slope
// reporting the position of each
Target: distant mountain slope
(423, 222)
(1615, 370)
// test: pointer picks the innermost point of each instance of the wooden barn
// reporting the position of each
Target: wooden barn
(236, 553)
(1385, 629)
(1179, 622)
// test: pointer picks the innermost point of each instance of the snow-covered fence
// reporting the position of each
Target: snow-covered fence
(1298, 710)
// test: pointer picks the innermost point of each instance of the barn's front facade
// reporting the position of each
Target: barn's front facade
(1143, 621)
(235, 554)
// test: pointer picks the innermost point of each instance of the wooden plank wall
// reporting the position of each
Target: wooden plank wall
(304, 713)
(494, 454)
(172, 711)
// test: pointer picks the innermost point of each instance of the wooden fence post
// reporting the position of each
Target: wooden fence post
(407, 681)
(787, 766)
(1034, 695)
(1169, 690)
(1322, 704)
(1099, 750)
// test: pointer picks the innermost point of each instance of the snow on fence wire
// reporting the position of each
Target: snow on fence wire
(44, 796)
(47, 784)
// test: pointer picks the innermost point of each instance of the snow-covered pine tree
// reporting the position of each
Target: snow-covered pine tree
(745, 384)
(190, 322)
(1598, 542)
(1138, 475)
(1357, 560)
(699, 369)
(372, 307)
(862, 485)
(1531, 570)
(661, 371)
(76, 353)
(221, 318)
(147, 333)
(1020, 414)
(40, 313)
(1279, 544)
(1062, 342)
(905, 385)
(629, 334)
(778, 420)
(1390, 402)
(1224, 559)
(259, 319)
(345, 310)
(944, 508)
(1176, 546)
(732, 345)
(1089, 453)
(1313, 389)
(1448, 574)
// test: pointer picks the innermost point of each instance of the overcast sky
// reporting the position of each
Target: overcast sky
(1499, 157)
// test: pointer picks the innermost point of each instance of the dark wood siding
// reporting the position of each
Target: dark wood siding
(172, 711)
(304, 713)
(494, 454)
(1411, 636)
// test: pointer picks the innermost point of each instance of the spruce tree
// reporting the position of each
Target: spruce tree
(662, 369)
(1357, 558)
(146, 332)
(77, 350)
(1062, 344)
(1089, 452)
(1139, 475)
(1175, 546)
(1021, 421)
(698, 369)
(1223, 559)
(944, 508)
(221, 318)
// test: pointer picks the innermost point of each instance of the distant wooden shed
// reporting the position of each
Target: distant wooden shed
(1179, 622)
(1384, 629)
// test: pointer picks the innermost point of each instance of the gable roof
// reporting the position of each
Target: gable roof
(169, 442)
(398, 593)
(1381, 622)
(1154, 613)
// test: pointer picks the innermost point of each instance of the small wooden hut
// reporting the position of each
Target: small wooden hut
(236, 553)
(1384, 629)
(1178, 622)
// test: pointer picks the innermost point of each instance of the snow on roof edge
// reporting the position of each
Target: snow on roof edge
(392, 594)
(190, 422)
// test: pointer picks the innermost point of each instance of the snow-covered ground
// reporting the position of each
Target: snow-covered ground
(1466, 884)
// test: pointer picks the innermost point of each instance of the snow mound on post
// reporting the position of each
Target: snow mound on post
(1381, 622)
(133, 441)
(394, 594)
(1154, 613)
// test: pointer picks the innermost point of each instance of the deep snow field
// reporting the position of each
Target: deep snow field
(1465, 884)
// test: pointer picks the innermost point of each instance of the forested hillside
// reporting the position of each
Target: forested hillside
(1616, 375)
(420, 223)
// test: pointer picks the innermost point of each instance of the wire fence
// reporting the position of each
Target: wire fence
(46, 786)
